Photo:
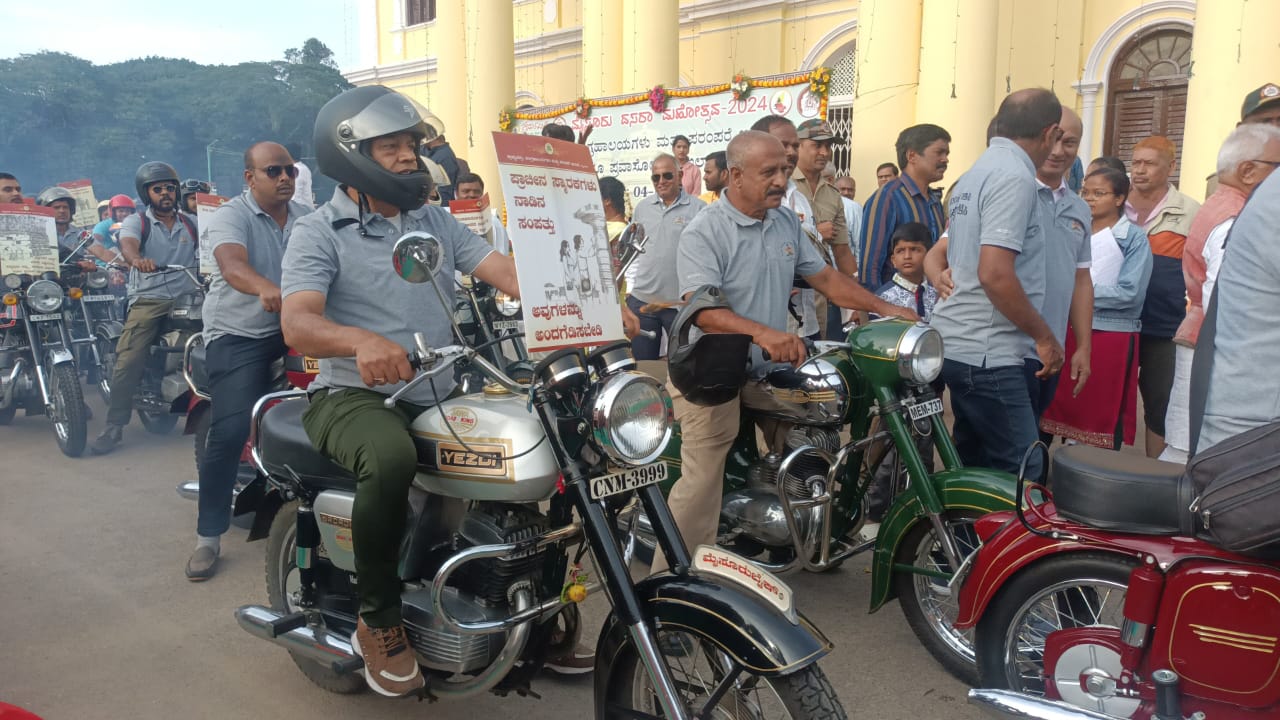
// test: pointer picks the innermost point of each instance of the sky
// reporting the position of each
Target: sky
(223, 32)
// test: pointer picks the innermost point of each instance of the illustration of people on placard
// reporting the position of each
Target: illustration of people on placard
(572, 275)
(593, 257)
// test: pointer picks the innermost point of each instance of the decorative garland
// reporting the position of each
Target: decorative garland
(582, 107)
(506, 118)
(741, 86)
(658, 98)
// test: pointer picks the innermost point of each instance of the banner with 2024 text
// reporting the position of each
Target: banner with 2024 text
(626, 138)
(555, 218)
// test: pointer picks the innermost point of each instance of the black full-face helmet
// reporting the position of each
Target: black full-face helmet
(50, 195)
(346, 124)
(150, 173)
(711, 369)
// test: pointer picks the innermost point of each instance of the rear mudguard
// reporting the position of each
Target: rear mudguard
(256, 497)
(749, 630)
(979, 489)
(196, 407)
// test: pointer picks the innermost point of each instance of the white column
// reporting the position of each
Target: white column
(1088, 109)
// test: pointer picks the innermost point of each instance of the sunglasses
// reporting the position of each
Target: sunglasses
(273, 171)
(662, 176)
(166, 188)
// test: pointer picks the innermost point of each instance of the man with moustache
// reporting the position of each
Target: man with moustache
(10, 189)
(242, 337)
(59, 199)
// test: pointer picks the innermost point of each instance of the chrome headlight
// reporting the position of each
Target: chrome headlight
(631, 418)
(13, 282)
(920, 355)
(97, 279)
(507, 306)
(44, 296)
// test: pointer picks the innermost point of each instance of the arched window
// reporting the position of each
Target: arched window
(1147, 91)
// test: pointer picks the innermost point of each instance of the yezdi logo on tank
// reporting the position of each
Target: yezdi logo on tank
(484, 460)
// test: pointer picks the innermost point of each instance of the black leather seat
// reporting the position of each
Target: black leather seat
(1113, 491)
(284, 446)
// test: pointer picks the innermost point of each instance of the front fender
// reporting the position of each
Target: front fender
(57, 356)
(980, 489)
(109, 329)
(742, 625)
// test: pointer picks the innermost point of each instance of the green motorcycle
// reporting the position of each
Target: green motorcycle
(805, 506)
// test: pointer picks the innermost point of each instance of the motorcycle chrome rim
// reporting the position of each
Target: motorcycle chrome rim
(696, 669)
(1080, 602)
(939, 602)
(290, 575)
(58, 413)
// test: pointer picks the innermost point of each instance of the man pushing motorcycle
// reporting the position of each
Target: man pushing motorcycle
(737, 263)
(343, 304)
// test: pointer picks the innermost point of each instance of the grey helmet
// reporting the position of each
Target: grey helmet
(150, 173)
(345, 125)
(52, 194)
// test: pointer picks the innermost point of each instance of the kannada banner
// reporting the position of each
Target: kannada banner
(86, 202)
(556, 221)
(28, 240)
(206, 205)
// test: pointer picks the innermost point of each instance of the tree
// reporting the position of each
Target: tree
(312, 52)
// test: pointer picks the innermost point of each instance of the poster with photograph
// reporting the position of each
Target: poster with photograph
(86, 202)
(206, 204)
(28, 240)
(556, 221)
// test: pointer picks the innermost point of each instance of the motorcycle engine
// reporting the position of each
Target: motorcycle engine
(756, 512)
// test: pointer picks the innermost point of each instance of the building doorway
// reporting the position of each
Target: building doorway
(1147, 91)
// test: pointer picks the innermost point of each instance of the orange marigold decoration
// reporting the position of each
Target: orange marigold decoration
(582, 107)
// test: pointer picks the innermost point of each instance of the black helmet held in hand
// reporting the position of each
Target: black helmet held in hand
(150, 173)
(346, 124)
(50, 195)
(711, 369)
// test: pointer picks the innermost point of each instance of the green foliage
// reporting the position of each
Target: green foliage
(66, 118)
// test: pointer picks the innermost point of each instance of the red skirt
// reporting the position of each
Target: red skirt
(1107, 407)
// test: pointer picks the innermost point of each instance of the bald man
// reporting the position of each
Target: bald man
(241, 329)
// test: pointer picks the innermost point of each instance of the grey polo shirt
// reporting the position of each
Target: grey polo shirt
(753, 262)
(362, 289)
(241, 221)
(655, 269)
(1068, 227)
(994, 204)
(166, 246)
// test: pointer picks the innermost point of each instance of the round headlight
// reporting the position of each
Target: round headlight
(507, 306)
(13, 282)
(920, 355)
(631, 418)
(44, 296)
(97, 279)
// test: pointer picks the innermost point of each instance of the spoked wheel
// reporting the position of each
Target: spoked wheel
(1069, 591)
(283, 587)
(700, 672)
(107, 354)
(929, 603)
(68, 416)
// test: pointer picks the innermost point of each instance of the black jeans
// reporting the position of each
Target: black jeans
(642, 347)
(239, 374)
(995, 416)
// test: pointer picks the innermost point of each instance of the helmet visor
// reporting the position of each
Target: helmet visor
(389, 114)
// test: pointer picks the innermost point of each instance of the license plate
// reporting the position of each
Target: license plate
(506, 324)
(603, 487)
(925, 409)
(722, 563)
(40, 318)
(99, 298)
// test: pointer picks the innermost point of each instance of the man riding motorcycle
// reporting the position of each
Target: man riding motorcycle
(343, 305)
(64, 207)
(170, 240)
(190, 187)
(723, 248)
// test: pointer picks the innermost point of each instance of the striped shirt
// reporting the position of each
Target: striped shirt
(899, 201)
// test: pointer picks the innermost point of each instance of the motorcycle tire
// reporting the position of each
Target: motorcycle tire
(695, 666)
(158, 423)
(107, 354)
(929, 605)
(70, 425)
(6, 415)
(281, 564)
(1069, 581)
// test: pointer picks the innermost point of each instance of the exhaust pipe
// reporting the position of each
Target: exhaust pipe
(315, 644)
(10, 383)
(1016, 706)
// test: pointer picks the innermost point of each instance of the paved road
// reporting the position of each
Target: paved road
(99, 621)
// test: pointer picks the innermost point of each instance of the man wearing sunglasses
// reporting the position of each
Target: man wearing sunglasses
(242, 338)
(160, 236)
(664, 215)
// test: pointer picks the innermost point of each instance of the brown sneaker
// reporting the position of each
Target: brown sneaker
(390, 667)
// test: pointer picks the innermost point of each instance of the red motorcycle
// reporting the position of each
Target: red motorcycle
(1094, 601)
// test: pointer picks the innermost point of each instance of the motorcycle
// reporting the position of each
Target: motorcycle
(804, 507)
(1089, 602)
(163, 395)
(37, 366)
(493, 535)
(95, 317)
(488, 318)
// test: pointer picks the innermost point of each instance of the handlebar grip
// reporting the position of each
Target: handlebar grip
(765, 354)
(414, 362)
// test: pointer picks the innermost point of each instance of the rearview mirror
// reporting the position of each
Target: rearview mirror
(417, 257)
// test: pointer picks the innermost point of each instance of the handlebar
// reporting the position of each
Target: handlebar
(433, 361)
(813, 347)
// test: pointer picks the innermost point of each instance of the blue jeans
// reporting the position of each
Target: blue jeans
(642, 347)
(995, 417)
(239, 374)
(835, 328)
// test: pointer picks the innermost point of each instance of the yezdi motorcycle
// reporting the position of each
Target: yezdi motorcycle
(804, 507)
(489, 318)
(37, 368)
(164, 395)
(1091, 603)
(96, 319)
(490, 560)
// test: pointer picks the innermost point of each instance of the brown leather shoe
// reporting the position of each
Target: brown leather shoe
(390, 667)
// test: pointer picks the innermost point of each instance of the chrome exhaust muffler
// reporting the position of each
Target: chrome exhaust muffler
(1016, 706)
(315, 644)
